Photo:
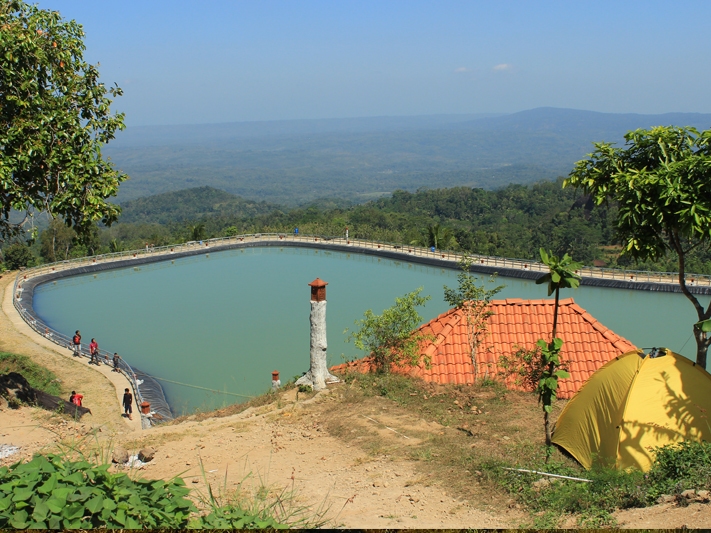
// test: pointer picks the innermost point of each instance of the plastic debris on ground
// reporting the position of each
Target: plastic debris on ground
(6, 450)
(134, 462)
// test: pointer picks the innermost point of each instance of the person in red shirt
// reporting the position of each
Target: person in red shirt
(76, 398)
(94, 352)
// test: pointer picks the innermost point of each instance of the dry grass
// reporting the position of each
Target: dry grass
(258, 401)
(455, 433)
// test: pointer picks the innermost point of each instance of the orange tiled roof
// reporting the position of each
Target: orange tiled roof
(515, 324)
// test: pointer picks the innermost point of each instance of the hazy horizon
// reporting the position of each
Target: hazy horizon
(223, 62)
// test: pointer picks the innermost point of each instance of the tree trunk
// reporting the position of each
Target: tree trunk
(555, 314)
(702, 338)
(318, 374)
(702, 346)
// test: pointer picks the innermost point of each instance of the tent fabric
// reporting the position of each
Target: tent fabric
(633, 404)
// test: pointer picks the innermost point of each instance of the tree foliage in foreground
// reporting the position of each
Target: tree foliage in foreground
(662, 184)
(390, 338)
(54, 493)
(473, 299)
(54, 119)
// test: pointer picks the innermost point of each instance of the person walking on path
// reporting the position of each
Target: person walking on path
(76, 341)
(94, 352)
(116, 362)
(127, 404)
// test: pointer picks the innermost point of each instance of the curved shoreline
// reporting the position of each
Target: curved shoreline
(118, 381)
(28, 280)
(513, 268)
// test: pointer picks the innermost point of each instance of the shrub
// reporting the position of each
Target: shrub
(17, 256)
(54, 492)
(679, 467)
(37, 376)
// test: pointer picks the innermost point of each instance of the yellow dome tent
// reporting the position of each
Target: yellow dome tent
(633, 404)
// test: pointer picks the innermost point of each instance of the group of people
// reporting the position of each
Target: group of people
(93, 352)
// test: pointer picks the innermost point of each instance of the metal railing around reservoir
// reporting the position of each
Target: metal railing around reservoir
(446, 257)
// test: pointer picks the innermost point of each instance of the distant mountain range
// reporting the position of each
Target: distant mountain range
(294, 162)
(551, 119)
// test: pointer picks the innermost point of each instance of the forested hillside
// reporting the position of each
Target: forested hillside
(513, 221)
(190, 204)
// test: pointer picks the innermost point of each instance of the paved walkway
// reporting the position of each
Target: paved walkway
(75, 373)
(626, 278)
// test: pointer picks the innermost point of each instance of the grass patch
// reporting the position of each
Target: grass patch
(36, 375)
(470, 434)
(463, 437)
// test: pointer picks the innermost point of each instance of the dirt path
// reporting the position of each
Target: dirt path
(102, 389)
(289, 447)
(321, 448)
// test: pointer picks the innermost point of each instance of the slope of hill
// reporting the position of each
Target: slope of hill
(190, 204)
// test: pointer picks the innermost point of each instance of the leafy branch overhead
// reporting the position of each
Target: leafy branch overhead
(661, 182)
(54, 119)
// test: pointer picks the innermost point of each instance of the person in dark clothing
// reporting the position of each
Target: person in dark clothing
(76, 342)
(116, 362)
(127, 404)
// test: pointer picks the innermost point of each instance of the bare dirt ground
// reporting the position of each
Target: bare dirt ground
(356, 461)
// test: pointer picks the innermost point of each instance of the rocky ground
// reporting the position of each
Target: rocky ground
(313, 446)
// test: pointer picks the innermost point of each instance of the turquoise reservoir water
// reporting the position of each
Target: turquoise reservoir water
(225, 321)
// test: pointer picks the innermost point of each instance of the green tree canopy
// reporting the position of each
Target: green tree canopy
(389, 338)
(662, 183)
(54, 119)
(17, 255)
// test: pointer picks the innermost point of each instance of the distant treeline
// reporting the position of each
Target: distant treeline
(513, 221)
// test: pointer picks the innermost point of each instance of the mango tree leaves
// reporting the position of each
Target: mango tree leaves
(661, 181)
(55, 118)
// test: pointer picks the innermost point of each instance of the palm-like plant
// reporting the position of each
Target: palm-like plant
(197, 231)
(115, 246)
(436, 236)
(561, 275)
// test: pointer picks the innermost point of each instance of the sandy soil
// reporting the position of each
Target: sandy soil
(286, 445)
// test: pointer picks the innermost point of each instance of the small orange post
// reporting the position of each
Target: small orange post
(145, 407)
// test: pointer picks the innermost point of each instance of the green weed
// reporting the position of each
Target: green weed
(37, 376)
(54, 492)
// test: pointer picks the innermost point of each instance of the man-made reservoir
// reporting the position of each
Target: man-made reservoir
(213, 327)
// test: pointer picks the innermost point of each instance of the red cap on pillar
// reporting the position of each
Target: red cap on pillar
(318, 290)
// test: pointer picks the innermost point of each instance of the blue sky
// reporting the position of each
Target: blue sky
(187, 62)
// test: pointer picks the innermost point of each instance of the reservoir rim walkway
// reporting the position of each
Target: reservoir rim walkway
(29, 279)
(505, 267)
